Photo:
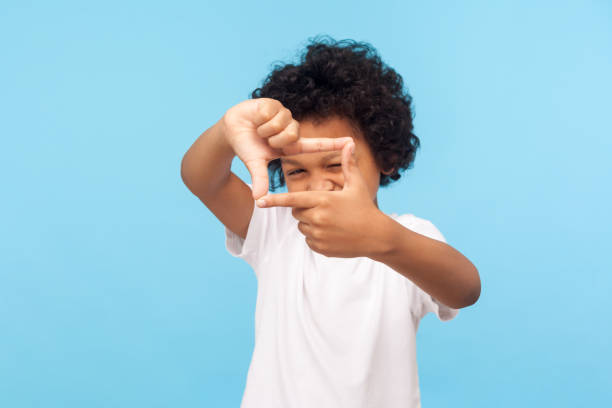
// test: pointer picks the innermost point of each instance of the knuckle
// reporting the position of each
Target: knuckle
(324, 219)
(317, 247)
(265, 110)
(276, 104)
(274, 142)
(310, 243)
(292, 134)
(274, 126)
(322, 249)
(284, 118)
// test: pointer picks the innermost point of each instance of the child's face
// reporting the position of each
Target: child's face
(322, 171)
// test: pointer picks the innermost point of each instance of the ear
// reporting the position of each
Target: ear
(387, 172)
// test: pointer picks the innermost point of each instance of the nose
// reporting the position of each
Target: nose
(321, 184)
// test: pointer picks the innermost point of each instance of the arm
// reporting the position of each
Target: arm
(348, 224)
(434, 266)
(257, 131)
(206, 171)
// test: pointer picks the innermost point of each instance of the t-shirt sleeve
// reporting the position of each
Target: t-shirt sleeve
(426, 303)
(251, 248)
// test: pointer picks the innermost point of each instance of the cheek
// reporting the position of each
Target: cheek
(291, 185)
(372, 177)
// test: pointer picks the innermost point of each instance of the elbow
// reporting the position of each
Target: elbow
(183, 170)
(474, 293)
(472, 298)
(470, 292)
(187, 174)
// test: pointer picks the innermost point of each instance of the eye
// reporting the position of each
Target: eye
(335, 165)
(294, 172)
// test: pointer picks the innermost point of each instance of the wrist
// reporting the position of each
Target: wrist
(383, 237)
(219, 130)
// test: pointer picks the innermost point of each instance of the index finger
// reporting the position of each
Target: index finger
(316, 144)
(299, 199)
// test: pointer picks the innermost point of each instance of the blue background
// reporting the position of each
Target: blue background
(115, 286)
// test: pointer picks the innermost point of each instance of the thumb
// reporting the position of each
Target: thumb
(259, 176)
(349, 166)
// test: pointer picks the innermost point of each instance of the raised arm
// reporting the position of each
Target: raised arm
(206, 171)
(257, 131)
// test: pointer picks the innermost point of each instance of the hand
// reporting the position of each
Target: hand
(260, 130)
(336, 223)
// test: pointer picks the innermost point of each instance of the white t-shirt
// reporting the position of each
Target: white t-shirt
(330, 332)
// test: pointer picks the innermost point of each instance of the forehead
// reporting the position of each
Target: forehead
(330, 128)
(333, 126)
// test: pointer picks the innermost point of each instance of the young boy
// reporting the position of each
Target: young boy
(342, 286)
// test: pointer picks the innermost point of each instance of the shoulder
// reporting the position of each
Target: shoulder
(267, 227)
(273, 216)
(420, 225)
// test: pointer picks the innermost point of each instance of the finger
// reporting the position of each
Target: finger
(313, 145)
(286, 137)
(265, 109)
(275, 125)
(305, 228)
(302, 214)
(297, 213)
(349, 165)
(301, 199)
(258, 168)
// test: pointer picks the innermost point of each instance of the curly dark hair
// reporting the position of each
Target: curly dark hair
(347, 79)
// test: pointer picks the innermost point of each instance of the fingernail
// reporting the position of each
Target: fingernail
(353, 149)
(261, 202)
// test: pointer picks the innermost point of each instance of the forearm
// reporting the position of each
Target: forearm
(207, 164)
(434, 266)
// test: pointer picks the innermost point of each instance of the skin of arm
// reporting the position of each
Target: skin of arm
(206, 171)
(434, 266)
(348, 223)
(206, 165)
